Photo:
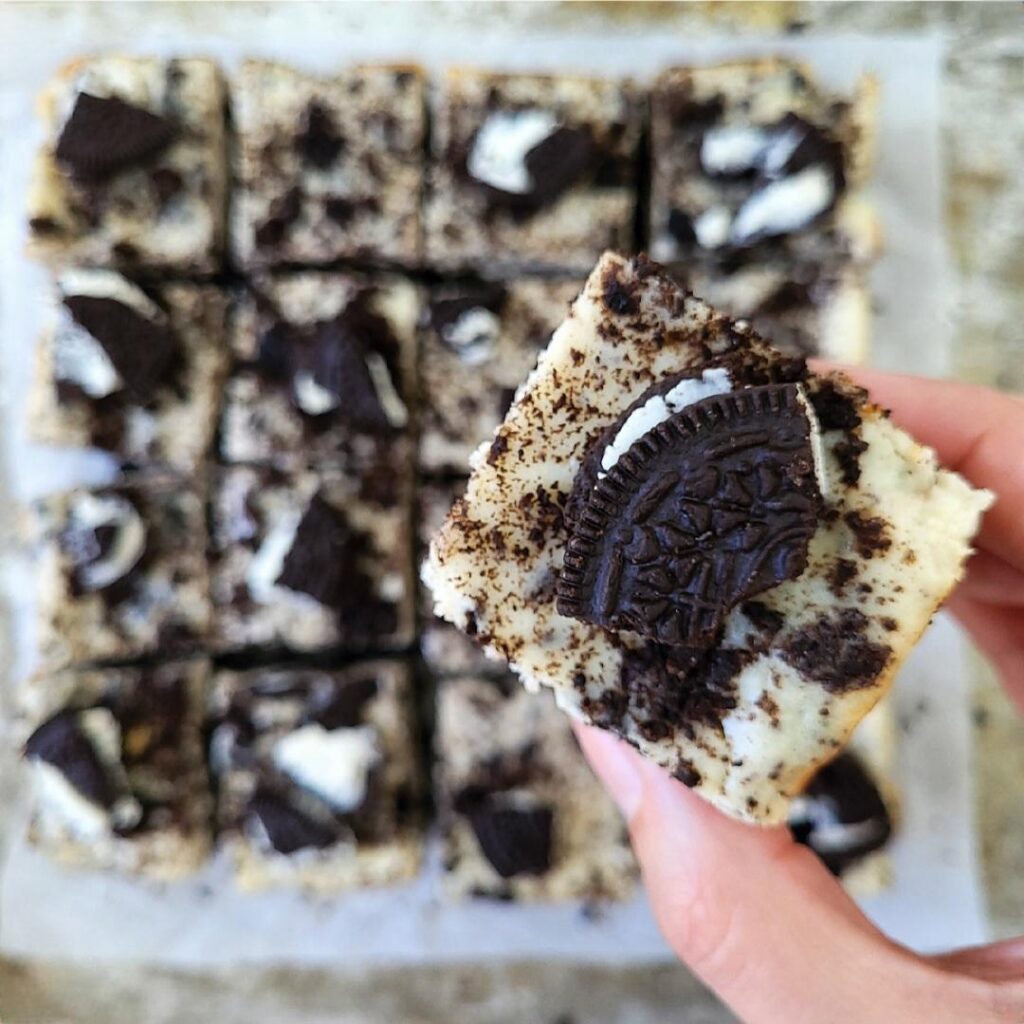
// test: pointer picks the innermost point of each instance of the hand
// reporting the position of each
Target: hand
(757, 916)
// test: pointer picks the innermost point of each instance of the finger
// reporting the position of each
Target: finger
(1000, 961)
(999, 632)
(976, 431)
(759, 919)
(992, 581)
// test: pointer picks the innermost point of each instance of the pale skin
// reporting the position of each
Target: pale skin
(757, 916)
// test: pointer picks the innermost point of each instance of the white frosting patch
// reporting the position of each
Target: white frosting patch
(831, 836)
(312, 397)
(473, 335)
(265, 567)
(659, 408)
(104, 284)
(499, 150)
(79, 358)
(817, 448)
(732, 149)
(712, 227)
(89, 511)
(784, 205)
(334, 765)
(390, 401)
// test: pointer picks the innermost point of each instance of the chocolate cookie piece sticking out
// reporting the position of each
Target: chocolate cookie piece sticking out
(841, 815)
(707, 509)
(515, 839)
(105, 135)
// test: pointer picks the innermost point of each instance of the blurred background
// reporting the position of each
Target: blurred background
(980, 48)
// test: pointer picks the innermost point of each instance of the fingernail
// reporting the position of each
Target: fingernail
(615, 764)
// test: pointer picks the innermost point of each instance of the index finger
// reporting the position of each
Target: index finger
(975, 431)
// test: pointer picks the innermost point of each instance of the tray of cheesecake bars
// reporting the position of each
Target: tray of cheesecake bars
(273, 312)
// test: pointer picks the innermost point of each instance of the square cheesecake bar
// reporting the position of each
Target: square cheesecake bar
(133, 171)
(524, 818)
(328, 168)
(310, 561)
(753, 160)
(118, 767)
(530, 172)
(699, 544)
(446, 650)
(477, 344)
(121, 572)
(317, 775)
(136, 373)
(325, 364)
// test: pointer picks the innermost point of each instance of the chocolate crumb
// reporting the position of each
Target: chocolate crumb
(870, 534)
(848, 455)
(620, 298)
(835, 652)
(844, 570)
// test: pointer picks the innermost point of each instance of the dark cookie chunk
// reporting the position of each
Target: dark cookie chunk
(842, 816)
(319, 141)
(288, 828)
(284, 212)
(516, 840)
(144, 353)
(341, 707)
(323, 558)
(62, 743)
(709, 508)
(870, 534)
(103, 136)
(104, 550)
(835, 652)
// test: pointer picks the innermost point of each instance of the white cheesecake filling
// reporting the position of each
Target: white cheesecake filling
(731, 149)
(498, 155)
(784, 205)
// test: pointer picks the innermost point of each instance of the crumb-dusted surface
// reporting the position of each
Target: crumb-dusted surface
(118, 768)
(325, 364)
(314, 560)
(891, 540)
(524, 817)
(133, 173)
(445, 649)
(317, 775)
(530, 171)
(328, 168)
(121, 572)
(753, 160)
(478, 343)
(138, 374)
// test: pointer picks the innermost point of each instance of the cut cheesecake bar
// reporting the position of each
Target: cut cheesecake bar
(699, 544)
(317, 775)
(524, 818)
(117, 767)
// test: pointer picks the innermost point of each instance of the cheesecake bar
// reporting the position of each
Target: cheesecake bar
(478, 342)
(117, 767)
(325, 363)
(328, 168)
(133, 171)
(530, 172)
(316, 775)
(698, 543)
(524, 818)
(136, 373)
(121, 572)
(310, 561)
(753, 160)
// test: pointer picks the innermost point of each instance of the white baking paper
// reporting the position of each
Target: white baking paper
(45, 912)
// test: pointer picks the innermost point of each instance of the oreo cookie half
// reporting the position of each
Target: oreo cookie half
(710, 507)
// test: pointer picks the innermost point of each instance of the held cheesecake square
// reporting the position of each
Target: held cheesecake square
(328, 168)
(530, 172)
(310, 561)
(136, 373)
(524, 817)
(753, 160)
(133, 172)
(118, 769)
(325, 363)
(317, 775)
(478, 343)
(699, 544)
(121, 572)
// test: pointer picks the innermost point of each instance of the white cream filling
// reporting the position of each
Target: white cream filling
(473, 335)
(832, 836)
(89, 511)
(784, 205)
(498, 155)
(390, 401)
(265, 567)
(712, 227)
(312, 397)
(78, 357)
(731, 149)
(659, 408)
(334, 765)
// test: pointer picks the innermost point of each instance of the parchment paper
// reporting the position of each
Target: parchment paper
(47, 913)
